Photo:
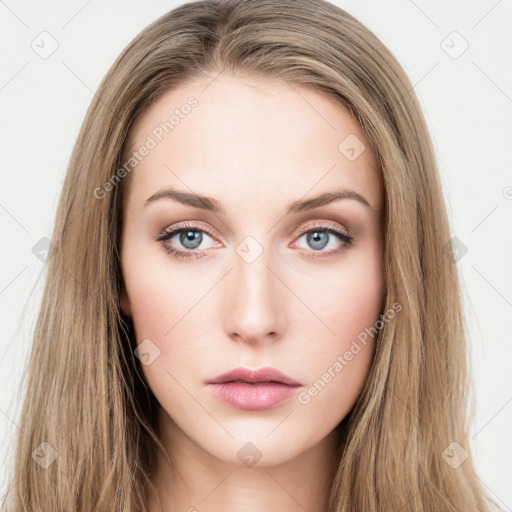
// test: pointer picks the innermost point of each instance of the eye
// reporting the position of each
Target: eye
(323, 235)
(189, 236)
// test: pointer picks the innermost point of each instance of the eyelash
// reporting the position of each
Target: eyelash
(166, 235)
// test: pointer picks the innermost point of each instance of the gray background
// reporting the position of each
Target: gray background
(466, 95)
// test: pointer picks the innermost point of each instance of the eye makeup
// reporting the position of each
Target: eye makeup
(313, 231)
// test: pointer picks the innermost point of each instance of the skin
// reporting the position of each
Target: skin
(255, 145)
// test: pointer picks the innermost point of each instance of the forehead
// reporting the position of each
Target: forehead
(246, 139)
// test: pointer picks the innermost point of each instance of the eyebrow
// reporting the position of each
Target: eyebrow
(212, 205)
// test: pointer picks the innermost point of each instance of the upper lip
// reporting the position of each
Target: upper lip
(266, 374)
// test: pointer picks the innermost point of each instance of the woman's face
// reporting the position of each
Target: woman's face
(265, 274)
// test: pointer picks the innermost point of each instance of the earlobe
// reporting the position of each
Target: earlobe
(124, 301)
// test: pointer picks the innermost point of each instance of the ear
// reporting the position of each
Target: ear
(124, 301)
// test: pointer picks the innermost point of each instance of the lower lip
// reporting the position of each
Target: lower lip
(252, 397)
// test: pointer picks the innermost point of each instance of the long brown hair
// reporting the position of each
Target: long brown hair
(86, 399)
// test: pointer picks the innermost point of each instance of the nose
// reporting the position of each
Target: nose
(254, 309)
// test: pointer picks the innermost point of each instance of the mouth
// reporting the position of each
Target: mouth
(253, 390)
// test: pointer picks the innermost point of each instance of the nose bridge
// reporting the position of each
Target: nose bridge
(255, 309)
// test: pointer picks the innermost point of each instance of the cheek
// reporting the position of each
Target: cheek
(158, 293)
(169, 306)
(165, 323)
(353, 296)
(349, 305)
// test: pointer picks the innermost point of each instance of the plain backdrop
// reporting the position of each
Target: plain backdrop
(458, 55)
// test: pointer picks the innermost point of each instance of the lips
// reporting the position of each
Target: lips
(253, 390)
(262, 375)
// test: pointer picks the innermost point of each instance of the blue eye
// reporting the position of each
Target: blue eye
(320, 236)
(318, 239)
(189, 236)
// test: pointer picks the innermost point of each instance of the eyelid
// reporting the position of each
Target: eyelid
(325, 224)
(192, 225)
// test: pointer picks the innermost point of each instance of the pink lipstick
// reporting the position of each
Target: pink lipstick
(253, 390)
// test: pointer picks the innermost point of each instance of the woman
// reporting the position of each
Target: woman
(252, 301)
